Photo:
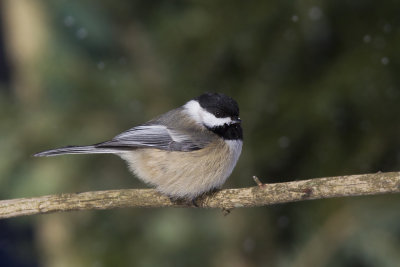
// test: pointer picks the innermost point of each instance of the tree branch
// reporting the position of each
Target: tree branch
(260, 195)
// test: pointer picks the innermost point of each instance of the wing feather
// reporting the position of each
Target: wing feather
(155, 136)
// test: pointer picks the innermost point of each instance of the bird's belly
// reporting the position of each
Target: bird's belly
(184, 174)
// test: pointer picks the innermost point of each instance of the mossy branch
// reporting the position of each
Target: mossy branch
(260, 195)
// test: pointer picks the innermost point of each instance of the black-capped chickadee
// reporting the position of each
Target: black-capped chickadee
(185, 152)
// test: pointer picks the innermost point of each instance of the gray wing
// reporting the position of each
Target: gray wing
(156, 136)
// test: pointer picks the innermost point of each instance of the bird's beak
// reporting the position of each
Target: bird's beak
(236, 120)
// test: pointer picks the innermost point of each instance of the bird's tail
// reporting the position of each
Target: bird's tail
(93, 149)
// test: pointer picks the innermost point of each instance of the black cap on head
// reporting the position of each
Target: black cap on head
(220, 105)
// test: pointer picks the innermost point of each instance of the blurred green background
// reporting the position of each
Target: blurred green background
(318, 85)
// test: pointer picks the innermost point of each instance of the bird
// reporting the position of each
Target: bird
(184, 153)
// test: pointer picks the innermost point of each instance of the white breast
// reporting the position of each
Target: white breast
(235, 147)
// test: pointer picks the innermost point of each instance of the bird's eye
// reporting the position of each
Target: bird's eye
(218, 114)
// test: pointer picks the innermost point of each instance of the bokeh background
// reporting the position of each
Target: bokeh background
(318, 86)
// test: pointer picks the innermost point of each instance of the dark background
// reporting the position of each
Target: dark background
(318, 86)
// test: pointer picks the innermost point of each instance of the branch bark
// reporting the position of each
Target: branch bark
(261, 195)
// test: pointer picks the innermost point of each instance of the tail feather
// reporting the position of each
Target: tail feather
(76, 150)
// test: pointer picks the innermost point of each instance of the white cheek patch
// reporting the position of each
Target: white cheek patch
(202, 116)
(211, 121)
